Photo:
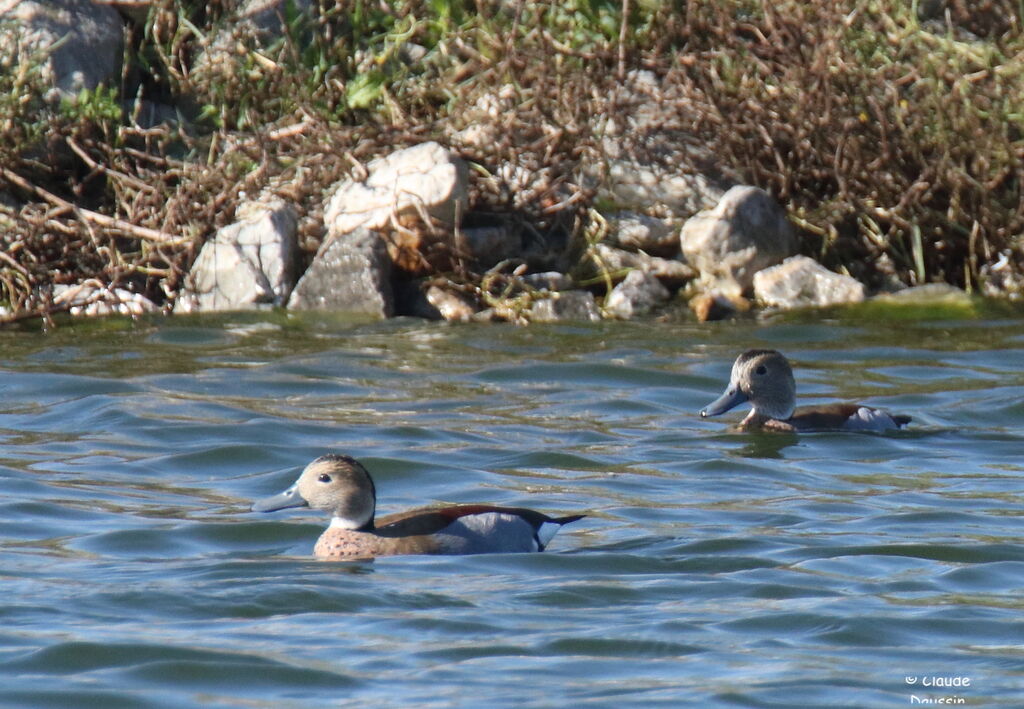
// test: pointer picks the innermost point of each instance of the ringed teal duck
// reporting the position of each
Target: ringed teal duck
(765, 379)
(341, 485)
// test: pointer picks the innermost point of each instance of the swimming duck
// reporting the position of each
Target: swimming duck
(341, 484)
(765, 379)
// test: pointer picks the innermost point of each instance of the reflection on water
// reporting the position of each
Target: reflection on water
(714, 569)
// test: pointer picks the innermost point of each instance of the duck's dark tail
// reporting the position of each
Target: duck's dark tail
(548, 528)
(901, 419)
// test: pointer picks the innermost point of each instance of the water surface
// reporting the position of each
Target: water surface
(715, 569)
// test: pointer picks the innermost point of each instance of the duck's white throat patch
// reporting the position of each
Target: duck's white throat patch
(350, 523)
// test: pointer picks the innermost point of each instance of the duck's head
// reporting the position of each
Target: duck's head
(337, 483)
(765, 379)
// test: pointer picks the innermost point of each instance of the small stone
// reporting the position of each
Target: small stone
(567, 305)
(351, 274)
(639, 232)
(671, 272)
(746, 232)
(548, 281)
(451, 306)
(717, 306)
(94, 300)
(639, 293)
(800, 281)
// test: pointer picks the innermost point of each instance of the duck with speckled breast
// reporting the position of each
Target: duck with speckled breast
(341, 485)
(765, 379)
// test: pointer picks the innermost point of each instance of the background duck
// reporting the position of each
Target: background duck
(341, 484)
(765, 379)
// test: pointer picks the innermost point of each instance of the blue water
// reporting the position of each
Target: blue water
(714, 569)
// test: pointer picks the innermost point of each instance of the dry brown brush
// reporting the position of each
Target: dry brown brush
(894, 144)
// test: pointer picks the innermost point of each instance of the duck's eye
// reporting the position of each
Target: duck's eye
(761, 370)
(324, 478)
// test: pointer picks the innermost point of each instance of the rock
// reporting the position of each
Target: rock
(717, 306)
(930, 293)
(79, 42)
(248, 264)
(746, 231)
(637, 294)
(351, 274)
(639, 232)
(548, 281)
(93, 299)
(425, 176)
(800, 281)
(671, 272)
(567, 305)
(451, 306)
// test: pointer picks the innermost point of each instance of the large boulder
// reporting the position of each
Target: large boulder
(424, 177)
(248, 264)
(350, 274)
(745, 232)
(78, 42)
(801, 282)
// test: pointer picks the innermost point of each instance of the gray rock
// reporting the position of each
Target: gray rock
(548, 280)
(248, 264)
(671, 272)
(79, 42)
(424, 177)
(639, 293)
(639, 232)
(567, 305)
(350, 274)
(801, 282)
(746, 231)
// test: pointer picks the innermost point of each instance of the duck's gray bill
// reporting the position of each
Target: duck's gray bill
(288, 498)
(731, 398)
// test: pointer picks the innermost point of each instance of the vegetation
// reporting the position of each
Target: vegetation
(891, 130)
